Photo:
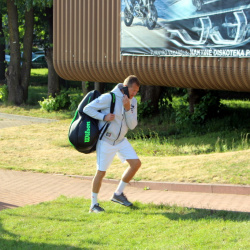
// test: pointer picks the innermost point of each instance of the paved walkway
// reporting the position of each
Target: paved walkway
(25, 188)
(9, 120)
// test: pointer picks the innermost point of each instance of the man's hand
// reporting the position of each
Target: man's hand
(126, 102)
(109, 117)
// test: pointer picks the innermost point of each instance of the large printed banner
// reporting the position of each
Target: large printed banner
(208, 28)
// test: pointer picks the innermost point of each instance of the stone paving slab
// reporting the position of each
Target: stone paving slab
(27, 188)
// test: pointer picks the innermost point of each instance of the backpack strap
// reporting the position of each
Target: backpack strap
(112, 105)
(112, 108)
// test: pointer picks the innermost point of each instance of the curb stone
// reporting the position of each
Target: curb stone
(181, 187)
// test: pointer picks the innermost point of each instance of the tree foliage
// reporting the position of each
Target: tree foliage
(21, 27)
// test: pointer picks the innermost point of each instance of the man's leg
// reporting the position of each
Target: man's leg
(129, 173)
(97, 181)
(134, 165)
(96, 185)
(105, 155)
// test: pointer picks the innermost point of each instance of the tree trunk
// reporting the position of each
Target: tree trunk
(194, 97)
(53, 78)
(13, 73)
(100, 86)
(27, 51)
(85, 88)
(152, 94)
(2, 52)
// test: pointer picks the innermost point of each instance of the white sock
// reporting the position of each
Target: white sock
(93, 199)
(120, 187)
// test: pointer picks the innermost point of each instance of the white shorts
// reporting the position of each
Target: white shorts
(106, 153)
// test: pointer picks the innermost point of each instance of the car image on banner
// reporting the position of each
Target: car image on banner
(213, 28)
(39, 62)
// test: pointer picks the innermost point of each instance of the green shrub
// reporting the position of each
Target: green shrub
(145, 110)
(4, 93)
(208, 107)
(74, 102)
(61, 101)
(49, 104)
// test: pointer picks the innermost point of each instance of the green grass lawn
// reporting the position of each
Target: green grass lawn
(45, 148)
(39, 77)
(66, 224)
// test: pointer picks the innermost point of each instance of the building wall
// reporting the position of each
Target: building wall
(87, 48)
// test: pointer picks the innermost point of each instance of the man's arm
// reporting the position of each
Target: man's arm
(101, 103)
(131, 114)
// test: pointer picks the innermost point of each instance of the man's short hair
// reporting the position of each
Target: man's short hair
(130, 80)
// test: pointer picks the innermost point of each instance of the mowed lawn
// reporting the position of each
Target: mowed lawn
(66, 224)
(45, 148)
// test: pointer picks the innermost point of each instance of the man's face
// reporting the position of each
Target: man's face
(133, 90)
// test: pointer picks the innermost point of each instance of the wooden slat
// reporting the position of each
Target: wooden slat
(87, 48)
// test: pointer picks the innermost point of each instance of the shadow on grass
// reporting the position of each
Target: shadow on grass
(9, 240)
(4, 205)
(37, 94)
(16, 244)
(209, 215)
(183, 213)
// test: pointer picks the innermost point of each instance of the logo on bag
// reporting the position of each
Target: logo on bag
(87, 133)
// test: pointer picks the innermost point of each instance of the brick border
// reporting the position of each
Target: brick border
(181, 187)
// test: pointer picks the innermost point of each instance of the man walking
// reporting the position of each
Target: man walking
(114, 141)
